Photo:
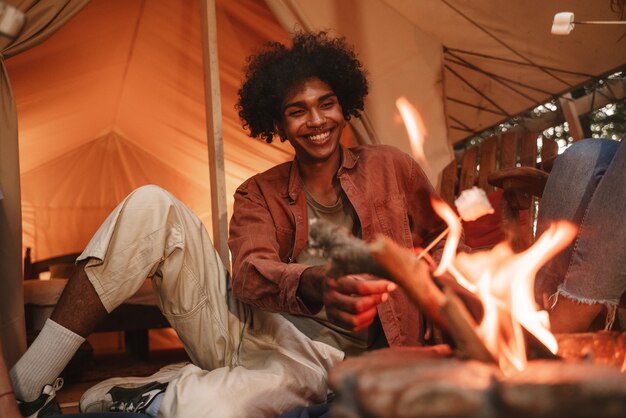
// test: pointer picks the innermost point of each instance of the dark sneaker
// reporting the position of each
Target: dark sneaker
(127, 394)
(45, 405)
(134, 399)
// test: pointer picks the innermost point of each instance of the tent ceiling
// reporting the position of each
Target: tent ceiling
(511, 62)
(499, 58)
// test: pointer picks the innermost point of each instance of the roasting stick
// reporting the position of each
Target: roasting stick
(444, 308)
(433, 243)
(471, 205)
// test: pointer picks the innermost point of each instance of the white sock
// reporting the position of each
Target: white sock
(44, 360)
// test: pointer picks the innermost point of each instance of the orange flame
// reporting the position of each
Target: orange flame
(503, 280)
(415, 128)
(504, 283)
(449, 250)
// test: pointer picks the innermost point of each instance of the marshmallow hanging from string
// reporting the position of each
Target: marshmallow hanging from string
(563, 23)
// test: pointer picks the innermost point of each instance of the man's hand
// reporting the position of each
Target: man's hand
(351, 300)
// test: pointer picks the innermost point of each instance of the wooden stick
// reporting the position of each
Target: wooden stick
(462, 328)
(347, 254)
(444, 308)
(433, 243)
(385, 258)
(215, 133)
(412, 275)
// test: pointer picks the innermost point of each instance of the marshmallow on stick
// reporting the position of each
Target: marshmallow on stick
(471, 204)
(563, 23)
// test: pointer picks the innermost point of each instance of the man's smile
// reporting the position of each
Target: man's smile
(319, 138)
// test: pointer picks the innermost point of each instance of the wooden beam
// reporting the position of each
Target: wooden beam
(613, 91)
(215, 137)
(568, 108)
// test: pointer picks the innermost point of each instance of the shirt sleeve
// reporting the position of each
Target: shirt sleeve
(260, 278)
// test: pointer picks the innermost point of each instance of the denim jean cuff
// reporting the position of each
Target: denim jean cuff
(610, 304)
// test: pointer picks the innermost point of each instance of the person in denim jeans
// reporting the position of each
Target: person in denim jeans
(585, 281)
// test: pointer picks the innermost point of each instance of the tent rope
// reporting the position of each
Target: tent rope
(480, 93)
(491, 57)
(463, 126)
(504, 81)
(464, 103)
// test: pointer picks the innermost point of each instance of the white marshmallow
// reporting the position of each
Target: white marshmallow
(563, 23)
(472, 204)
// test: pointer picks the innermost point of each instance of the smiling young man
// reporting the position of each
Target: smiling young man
(306, 95)
(264, 346)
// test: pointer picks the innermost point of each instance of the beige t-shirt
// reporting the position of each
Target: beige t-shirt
(318, 327)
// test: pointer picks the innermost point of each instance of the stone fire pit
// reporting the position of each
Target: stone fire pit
(431, 382)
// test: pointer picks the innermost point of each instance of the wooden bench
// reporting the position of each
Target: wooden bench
(512, 162)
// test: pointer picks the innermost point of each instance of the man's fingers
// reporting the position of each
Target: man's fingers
(352, 322)
(353, 304)
(351, 300)
(353, 285)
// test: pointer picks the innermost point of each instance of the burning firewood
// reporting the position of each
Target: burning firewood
(500, 278)
(443, 307)
(608, 348)
(384, 258)
(347, 254)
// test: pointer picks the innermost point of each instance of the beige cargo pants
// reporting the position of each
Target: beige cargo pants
(246, 363)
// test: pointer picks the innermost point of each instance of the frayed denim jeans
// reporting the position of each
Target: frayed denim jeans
(587, 186)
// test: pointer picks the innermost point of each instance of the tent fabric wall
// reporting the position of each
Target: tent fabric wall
(130, 112)
(43, 19)
(119, 162)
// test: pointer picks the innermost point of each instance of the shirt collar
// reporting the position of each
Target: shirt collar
(294, 186)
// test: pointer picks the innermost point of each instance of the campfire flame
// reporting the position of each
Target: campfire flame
(502, 279)
(449, 250)
(415, 128)
(504, 282)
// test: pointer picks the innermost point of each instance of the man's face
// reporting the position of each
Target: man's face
(312, 121)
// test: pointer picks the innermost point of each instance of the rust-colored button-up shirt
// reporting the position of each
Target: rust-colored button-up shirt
(390, 194)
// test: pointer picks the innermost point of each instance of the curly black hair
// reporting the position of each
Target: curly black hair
(272, 73)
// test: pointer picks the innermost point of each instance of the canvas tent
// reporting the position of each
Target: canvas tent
(115, 99)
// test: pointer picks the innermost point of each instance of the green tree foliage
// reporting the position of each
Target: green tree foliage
(610, 121)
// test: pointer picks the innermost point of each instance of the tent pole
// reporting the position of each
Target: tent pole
(215, 135)
(12, 325)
